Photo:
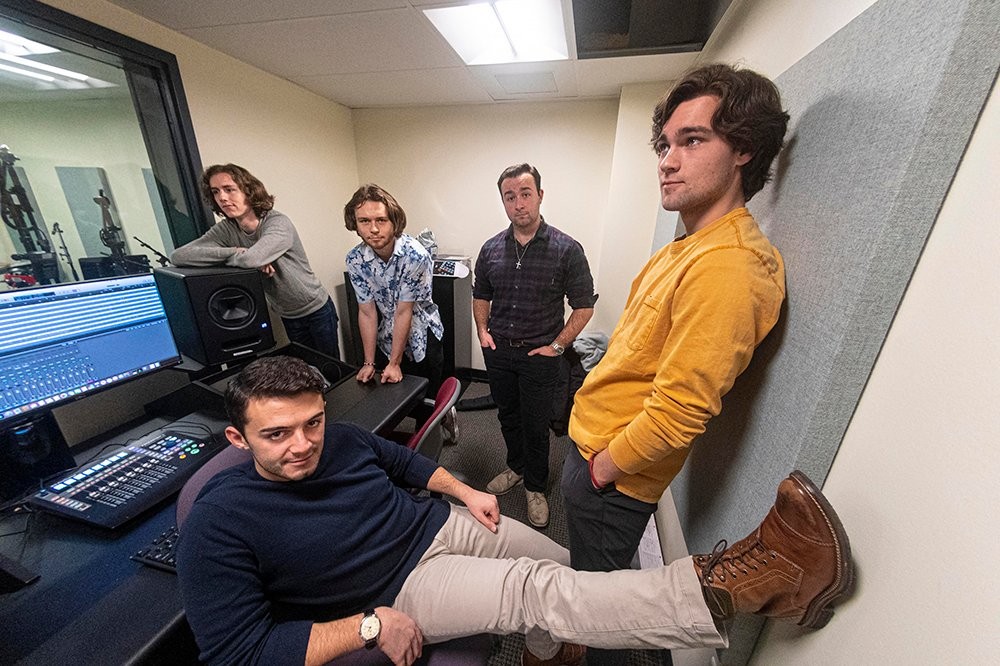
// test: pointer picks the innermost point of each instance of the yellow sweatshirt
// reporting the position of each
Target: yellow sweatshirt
(694, 315)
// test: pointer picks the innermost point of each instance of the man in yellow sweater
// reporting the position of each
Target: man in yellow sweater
(694, 316)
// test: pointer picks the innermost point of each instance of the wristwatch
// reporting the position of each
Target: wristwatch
(370, 628)
(559, 349)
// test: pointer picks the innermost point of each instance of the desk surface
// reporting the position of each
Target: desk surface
(92, 603)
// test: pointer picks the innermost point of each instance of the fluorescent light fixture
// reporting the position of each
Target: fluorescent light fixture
(24, 72)
(503, 31)
(58, 71)
(16, 45)
(14, 48)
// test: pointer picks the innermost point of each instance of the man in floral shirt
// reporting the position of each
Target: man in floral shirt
(391, 275)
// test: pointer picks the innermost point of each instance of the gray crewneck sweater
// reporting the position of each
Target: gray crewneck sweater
(294, 290)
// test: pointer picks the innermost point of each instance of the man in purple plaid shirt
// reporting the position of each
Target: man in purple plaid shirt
(523, 275)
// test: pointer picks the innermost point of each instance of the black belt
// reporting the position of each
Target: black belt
(507, 342)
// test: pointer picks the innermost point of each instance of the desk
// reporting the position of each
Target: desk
(93, 605)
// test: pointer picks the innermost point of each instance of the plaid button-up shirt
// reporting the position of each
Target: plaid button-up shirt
(527, 303)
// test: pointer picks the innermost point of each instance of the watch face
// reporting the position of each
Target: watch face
(370, 627)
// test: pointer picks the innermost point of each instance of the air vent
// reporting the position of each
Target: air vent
(610, 28)
(519, 84)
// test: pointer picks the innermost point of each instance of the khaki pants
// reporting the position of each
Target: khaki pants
(471, 581)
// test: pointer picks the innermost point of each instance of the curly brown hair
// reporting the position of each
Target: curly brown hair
(256, 194)
(749, 117)
(372, 192)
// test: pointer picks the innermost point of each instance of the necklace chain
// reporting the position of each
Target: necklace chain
(519, 255)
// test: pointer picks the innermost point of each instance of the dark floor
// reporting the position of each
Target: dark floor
(478, 457)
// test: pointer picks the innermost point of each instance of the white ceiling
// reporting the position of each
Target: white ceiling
(377, 53)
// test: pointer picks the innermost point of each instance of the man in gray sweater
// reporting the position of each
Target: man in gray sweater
(254, 235)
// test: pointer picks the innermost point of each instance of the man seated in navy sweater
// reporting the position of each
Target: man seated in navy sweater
(315, 549)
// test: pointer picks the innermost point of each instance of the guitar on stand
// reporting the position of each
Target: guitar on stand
(18, 214)
(111, 235)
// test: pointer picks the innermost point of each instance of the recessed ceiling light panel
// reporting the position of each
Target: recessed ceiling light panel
(503, 31)
(16, 45)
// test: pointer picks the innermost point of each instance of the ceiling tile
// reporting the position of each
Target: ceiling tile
(606, 76)
(182, 14)
(535, 82)
(386, 53)
(415, 87)
(493, 77)
(369, 42)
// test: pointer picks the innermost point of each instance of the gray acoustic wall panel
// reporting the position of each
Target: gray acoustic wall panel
(80, 185)
(881, 115)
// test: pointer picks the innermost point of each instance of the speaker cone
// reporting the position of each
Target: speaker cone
(232, 307)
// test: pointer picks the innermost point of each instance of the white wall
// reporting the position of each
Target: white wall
(442, 165)
(633, 202)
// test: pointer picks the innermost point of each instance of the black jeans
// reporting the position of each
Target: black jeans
(605, 527)
(523, 389)
(317, 330)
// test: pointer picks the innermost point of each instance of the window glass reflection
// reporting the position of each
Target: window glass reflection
(90, 187)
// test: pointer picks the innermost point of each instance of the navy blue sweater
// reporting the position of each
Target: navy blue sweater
(259, 561)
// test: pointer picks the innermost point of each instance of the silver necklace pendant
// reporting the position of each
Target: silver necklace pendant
(519, 255)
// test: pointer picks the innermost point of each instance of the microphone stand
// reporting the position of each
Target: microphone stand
(161, 258)
(64, 253)
(123, 263)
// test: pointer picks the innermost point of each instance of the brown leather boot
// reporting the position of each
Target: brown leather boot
(570, 654)
(792, 567)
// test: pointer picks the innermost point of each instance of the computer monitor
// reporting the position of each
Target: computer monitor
(62, 342)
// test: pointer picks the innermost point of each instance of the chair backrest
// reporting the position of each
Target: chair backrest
(225, 458)
(427, 439)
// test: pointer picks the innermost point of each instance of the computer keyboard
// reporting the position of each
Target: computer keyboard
(111, 492)
(162, 553)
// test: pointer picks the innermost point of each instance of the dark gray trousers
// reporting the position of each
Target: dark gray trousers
(605, 527)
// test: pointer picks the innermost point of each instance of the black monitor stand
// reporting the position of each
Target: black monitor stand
(31, 451)
(13, 576)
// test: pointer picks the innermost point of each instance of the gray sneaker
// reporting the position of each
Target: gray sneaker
(449, 427)
(538, 509)
(504, 482)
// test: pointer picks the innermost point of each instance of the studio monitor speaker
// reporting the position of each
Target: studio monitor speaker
(217, 315)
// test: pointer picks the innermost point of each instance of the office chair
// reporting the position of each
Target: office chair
(427, 440)
(224, 459)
